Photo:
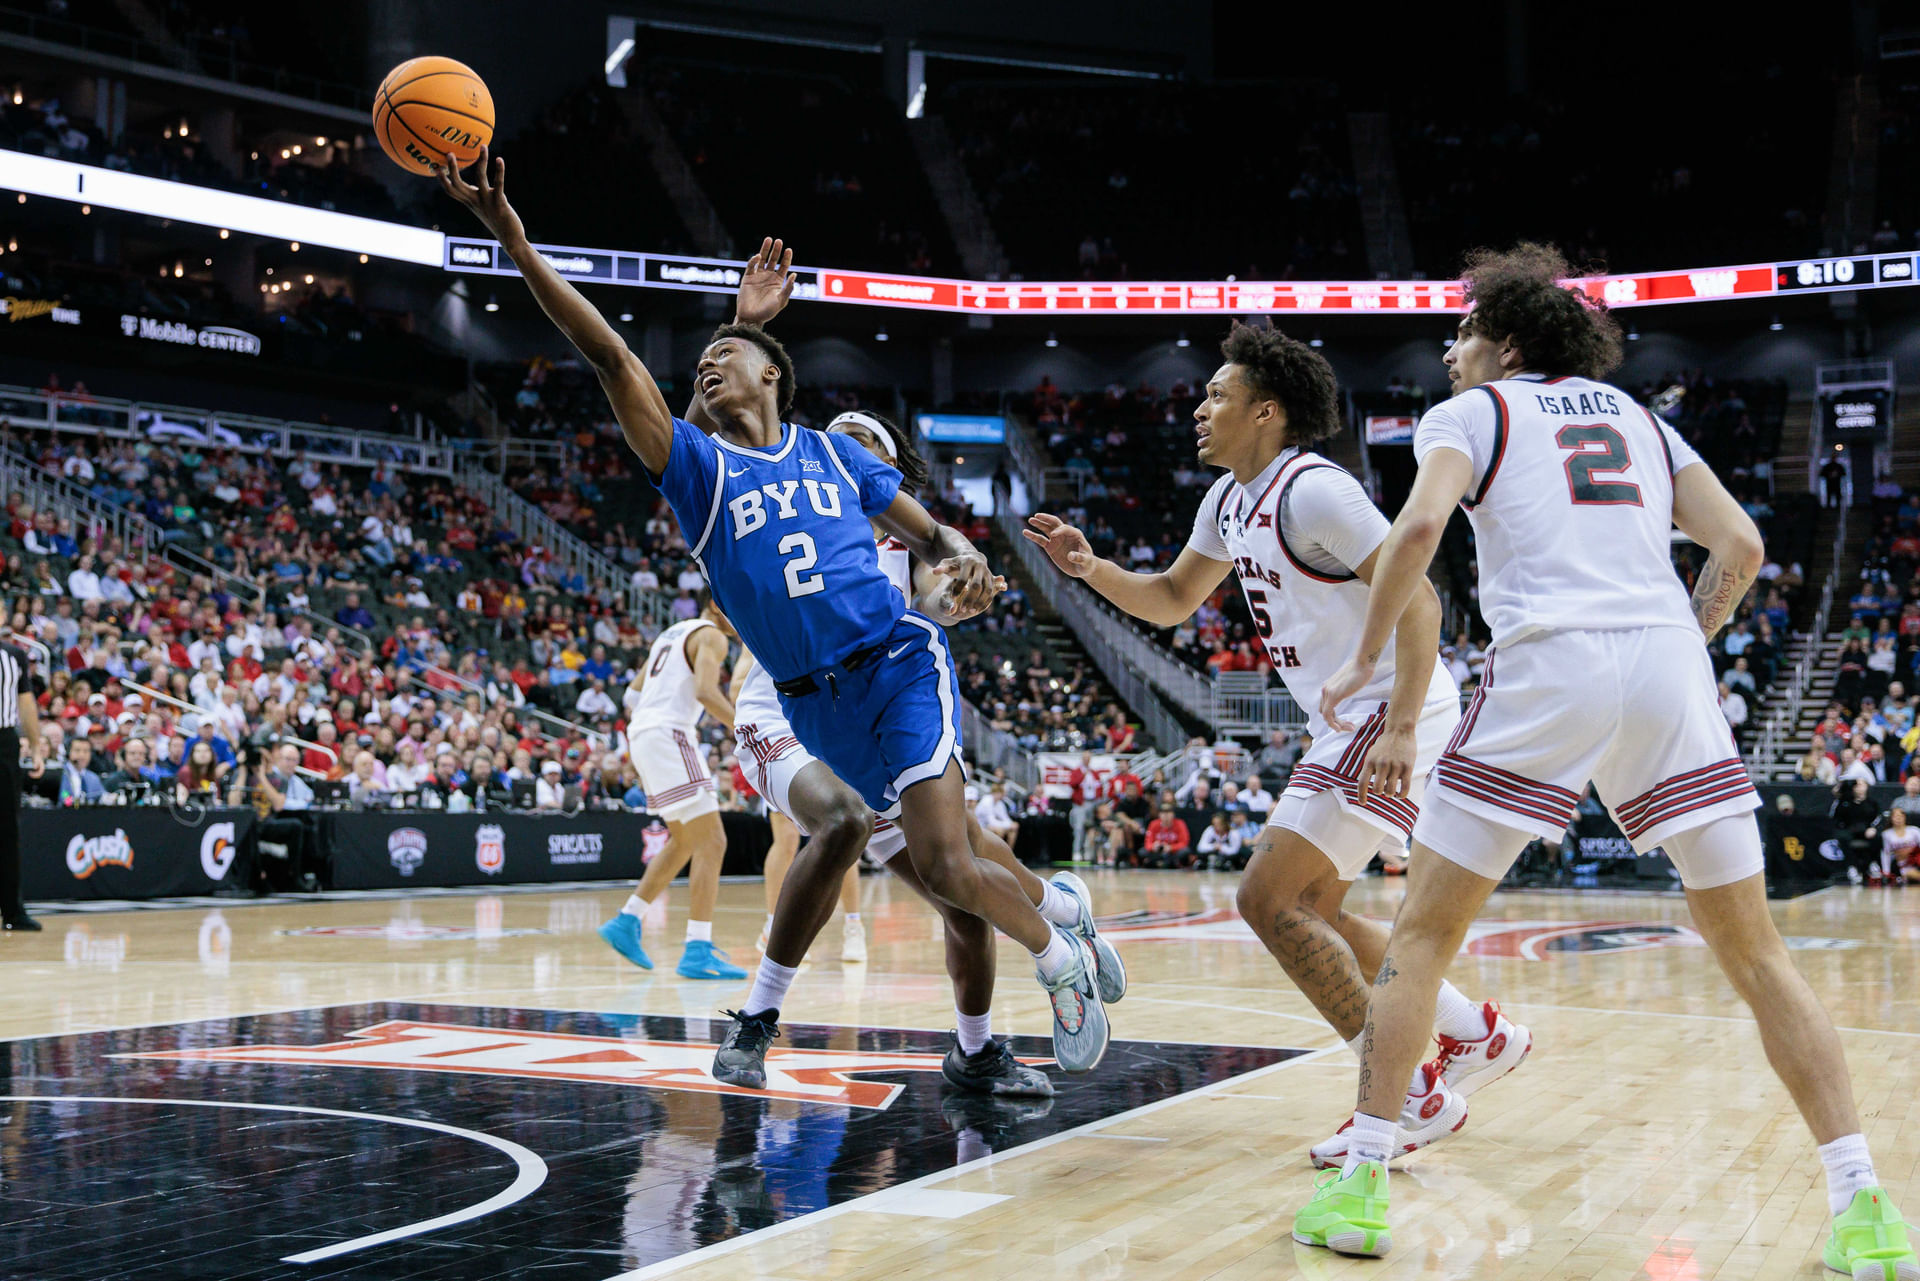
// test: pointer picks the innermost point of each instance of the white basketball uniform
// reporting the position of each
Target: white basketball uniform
(1293, 537)
(662, 740)
(770, 752)
(1598, 670)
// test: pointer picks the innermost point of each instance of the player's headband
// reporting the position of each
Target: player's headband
(872, 424)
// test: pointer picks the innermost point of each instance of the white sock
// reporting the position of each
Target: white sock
(699, 931)
(768, 927)
(1057, 956)
(1370, 1139)
(770, 983)
(1455, 1016)
(1058, 906)
(636, 907)
(1354, 1044)
(1849, 1169)
(853, 919)
(973, 1030)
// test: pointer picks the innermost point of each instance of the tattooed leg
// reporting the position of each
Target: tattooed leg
(1442, 900)
(1288, 887)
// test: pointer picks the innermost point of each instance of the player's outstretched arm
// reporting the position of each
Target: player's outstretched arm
(710, 653)
(1165, 599)
(766, 286)
(636, 399)
(1708, 514)
(1400, 571)
(971, 583)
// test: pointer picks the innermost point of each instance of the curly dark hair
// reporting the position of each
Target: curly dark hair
(771, 348)
(1516, 293)
(1287, 370)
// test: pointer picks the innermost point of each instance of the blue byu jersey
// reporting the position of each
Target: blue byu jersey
(784, 539)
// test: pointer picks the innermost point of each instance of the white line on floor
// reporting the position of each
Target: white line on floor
(667, 1267)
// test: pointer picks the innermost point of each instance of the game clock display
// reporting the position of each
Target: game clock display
(1827, 274)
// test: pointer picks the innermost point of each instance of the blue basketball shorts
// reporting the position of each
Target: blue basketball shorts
(888, 723)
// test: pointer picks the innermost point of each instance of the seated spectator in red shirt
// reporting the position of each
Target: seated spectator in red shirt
(1168, 842)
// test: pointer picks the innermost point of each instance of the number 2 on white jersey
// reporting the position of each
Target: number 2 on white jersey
(796, 585)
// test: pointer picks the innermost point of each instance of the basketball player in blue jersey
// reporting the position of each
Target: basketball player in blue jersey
(777, 516)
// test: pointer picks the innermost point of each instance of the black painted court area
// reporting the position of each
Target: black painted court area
(646, 1157)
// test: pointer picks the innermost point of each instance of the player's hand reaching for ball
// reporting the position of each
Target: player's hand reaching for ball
(766, 284)
(1066, 546)
(486, 195)
(971, 585)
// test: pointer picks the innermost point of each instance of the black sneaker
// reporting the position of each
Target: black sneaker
(993, 1070)
(22, 922)
(742, 1057)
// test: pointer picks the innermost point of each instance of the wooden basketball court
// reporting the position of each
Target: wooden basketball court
(1644, 1138)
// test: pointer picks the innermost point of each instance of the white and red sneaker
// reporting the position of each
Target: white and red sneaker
(1473, 1065)
(1433, 1110)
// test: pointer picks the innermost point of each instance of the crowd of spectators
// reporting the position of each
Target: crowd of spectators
(1204, 815)
(388, 627)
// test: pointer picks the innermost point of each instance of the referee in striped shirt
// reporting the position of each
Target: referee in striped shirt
(17, 714)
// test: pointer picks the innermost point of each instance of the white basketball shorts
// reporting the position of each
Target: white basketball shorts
(1322, 797)
(673, 772)
(1633, 711)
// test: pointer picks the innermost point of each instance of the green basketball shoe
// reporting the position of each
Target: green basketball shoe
(1347, 1215)
(1869, 1241)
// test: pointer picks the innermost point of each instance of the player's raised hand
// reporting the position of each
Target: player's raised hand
(971, 585)
(1342, 685)
(1388, 767)
(766, 284)
(486, 195)
(1066, 546)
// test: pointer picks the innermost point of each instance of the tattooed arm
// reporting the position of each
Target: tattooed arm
(1708, 514)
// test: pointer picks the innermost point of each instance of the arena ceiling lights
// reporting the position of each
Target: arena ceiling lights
(181, 202)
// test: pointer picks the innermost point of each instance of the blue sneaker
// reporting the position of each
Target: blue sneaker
(622, 934)
(1110, 971)
(702, 960)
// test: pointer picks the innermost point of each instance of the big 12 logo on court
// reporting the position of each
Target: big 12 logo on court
(490, 848)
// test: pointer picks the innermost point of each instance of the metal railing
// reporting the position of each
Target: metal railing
(567, 548)
(245, 433)
(996, 749)
(1783, 717)
(1092, 619)
(153, 695)
(1073, 602)
(49, 491)
(1244, 703)
(527, 712)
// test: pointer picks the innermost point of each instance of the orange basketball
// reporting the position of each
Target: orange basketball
(427, 107)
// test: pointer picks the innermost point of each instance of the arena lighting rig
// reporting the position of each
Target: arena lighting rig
(182, 202)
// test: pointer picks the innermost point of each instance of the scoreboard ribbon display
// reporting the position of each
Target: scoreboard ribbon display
(1169, 297)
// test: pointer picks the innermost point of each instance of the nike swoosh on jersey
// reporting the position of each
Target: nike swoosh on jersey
(734, 475)
(896, 652)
